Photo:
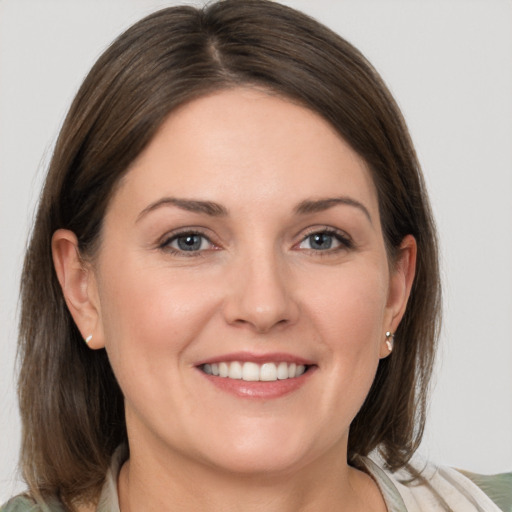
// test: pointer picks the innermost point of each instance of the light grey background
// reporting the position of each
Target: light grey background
(448, 62)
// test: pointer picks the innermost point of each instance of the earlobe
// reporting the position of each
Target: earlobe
(401, 280)
(78, 286)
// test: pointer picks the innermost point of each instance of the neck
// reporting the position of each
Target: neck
(151, 482)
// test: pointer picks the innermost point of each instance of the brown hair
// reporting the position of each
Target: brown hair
(71, 405)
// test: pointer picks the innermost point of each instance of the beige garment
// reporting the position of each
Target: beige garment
(442, 489)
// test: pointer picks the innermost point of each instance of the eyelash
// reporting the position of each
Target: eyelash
(165, 245)
(346, 243)
(341, 237)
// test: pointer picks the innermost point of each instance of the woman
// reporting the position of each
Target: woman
(231, 294)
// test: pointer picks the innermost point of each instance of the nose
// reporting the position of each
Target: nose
(261, 295)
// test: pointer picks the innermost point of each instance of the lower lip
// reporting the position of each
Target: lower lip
(258, 389)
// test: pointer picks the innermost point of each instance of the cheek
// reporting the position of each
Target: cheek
(349, 319)
(352, 305)
(149, 313)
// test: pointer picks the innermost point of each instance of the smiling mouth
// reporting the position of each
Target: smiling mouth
(254, 372)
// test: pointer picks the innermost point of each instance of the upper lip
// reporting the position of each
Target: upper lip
(273, 357)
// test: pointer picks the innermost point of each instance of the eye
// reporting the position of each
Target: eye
(325, 240)
(187, 242)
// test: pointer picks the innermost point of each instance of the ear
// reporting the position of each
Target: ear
(79, 288)
(400, 284)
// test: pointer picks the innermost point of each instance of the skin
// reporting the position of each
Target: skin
(257, 284)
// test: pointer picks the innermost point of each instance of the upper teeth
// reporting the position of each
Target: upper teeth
(253, 371)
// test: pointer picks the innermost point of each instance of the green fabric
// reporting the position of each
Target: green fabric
(497, 487)
(24, 504)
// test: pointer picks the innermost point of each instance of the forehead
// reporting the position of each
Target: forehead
(242, 139)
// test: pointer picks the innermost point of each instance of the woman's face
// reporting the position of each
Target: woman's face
(245, 240)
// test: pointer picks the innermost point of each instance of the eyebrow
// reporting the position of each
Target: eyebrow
(191, 205)
(320, 205)
(213, 209)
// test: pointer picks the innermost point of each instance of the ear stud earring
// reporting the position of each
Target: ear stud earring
(390, 340)
(88, 339)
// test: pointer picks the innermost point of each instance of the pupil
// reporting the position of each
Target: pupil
(321, 241)
(189, 243)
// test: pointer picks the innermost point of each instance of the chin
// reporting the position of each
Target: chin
(264, 450)
(264, 463)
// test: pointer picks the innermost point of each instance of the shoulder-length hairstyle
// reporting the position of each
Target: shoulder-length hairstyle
(71, 405)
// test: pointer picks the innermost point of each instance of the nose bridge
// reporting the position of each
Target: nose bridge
(261, 293)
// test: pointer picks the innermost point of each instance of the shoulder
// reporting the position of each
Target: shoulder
(19, 504)
(448, 489)
(25, 504)
(497, 487)
(423, 486)
(108, 499)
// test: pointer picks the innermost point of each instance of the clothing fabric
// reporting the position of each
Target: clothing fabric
(439, 489)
